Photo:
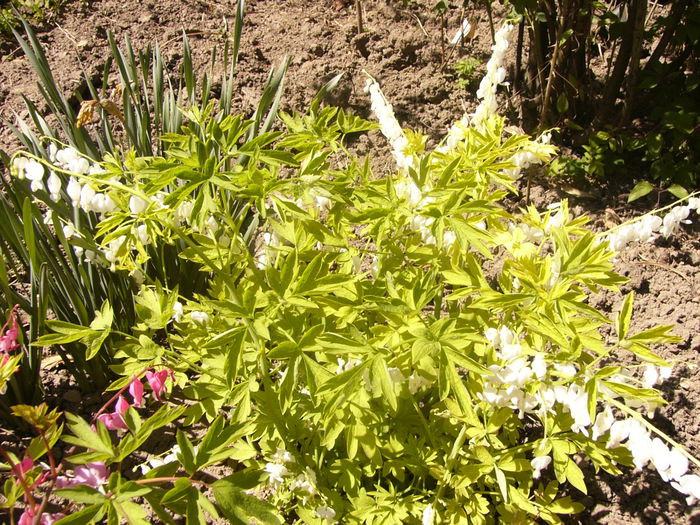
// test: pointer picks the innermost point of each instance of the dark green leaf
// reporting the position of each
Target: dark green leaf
(640, 190)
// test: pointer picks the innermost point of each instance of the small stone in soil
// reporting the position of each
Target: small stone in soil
(72, 396)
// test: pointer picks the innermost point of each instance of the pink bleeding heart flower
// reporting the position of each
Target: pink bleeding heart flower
(21, 468)
(136, 391)
(27, 518)
(121, 406)
(93, 475)
(115, 420)
(8, 341)
(157, 381)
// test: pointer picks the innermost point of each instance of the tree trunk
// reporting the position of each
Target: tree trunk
(637, 41)
(568, 73)
(677, 12)
(612, 88)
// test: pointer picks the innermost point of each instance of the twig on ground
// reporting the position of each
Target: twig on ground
(360, 25)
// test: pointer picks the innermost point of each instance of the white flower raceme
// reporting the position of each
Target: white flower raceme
(142, 234)
(499, 337)
(212, 226)
(390, 127)
(159, 200)
(495, 75)
(448, 239)
(566, 369)
(407, 190)
(539, 366)
(650, 226)
(647, 227)
(576, 401)
(643, 230)
(671, 464)
(507, 384)
(102, 203)
(535, 153)
(422, 224)
(282, 456)
(619, 431)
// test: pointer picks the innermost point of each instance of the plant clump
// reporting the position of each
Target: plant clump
(348, 355)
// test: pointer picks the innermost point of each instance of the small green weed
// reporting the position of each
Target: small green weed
(34, 10)
(464, 69)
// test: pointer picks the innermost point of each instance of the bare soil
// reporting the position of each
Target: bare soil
(402, 48)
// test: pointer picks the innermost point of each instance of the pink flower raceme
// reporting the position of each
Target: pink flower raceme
(157, 381)
(8, 341)
(93, 475)
(8, 338)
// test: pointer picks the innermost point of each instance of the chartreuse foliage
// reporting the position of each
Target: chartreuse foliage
(358, 355)
(134, 109)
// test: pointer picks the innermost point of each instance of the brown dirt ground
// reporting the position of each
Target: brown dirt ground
(401, 47)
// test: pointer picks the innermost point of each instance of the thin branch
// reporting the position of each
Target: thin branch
(360, 24)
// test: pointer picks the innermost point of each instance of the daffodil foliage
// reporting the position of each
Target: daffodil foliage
(375, 345)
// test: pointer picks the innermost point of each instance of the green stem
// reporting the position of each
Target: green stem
(424, 422)
(451, 459)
